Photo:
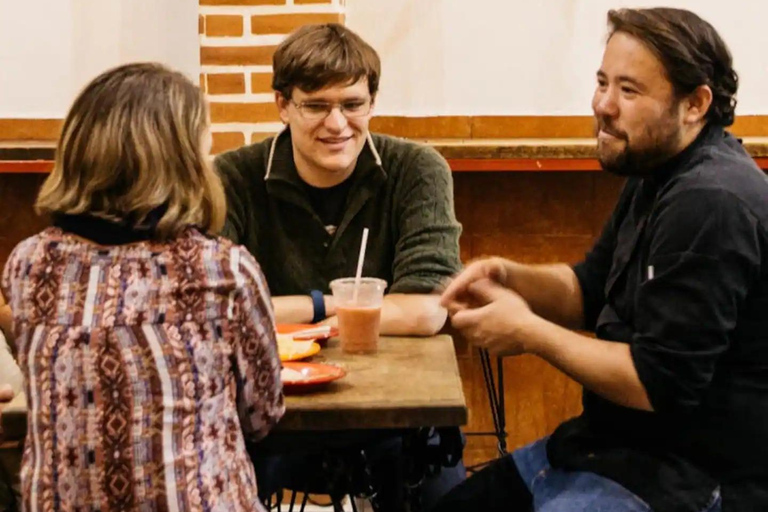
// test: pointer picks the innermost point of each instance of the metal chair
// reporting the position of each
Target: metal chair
(495, 389)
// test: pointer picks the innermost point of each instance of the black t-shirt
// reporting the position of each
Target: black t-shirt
(680, 273)
(329, 203)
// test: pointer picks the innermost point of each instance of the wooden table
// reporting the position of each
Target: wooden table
(409, 383)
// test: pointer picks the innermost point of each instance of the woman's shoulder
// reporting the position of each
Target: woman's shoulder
(214, 245)
(32, 246)
(234, 256)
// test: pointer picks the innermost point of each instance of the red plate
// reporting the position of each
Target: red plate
(304, 377)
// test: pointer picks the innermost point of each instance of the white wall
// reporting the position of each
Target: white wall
(526, 57)
(27, 89)
(440, 57)
(49, 49)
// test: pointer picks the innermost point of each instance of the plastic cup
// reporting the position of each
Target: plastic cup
(359, 320)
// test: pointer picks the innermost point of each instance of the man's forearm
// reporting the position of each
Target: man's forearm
(603, 367)
(412, 315)
(552, 291)
(401, 314)
(409, 315)
(298, 309)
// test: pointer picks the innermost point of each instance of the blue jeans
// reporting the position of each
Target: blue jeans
(555, 490)
(525, 481)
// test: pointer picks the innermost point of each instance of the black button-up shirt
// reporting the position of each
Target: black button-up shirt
(680, 273)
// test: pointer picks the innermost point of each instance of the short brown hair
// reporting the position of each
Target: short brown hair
(132, 143)
(317, 56)
(691, 50)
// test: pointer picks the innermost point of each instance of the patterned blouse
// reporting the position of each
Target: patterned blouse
(145, 365)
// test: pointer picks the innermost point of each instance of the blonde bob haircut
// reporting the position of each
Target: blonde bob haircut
(133, 143)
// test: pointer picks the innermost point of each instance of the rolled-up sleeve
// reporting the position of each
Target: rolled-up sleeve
(704, 254)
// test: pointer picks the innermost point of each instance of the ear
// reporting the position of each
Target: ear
(373, 104)
(282, 106)
(697, 104)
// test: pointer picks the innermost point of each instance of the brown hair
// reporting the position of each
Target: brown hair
(132, 143)
(691, 50)
(316, 56)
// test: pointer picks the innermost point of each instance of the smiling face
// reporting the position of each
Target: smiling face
(325, 149)
(639, 120)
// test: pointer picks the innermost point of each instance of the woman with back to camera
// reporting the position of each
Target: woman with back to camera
(147, 345)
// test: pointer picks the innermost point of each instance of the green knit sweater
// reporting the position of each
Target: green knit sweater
(405, 198)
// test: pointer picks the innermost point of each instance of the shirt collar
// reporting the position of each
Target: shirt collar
(709, 135)
(282, 167)
(109, 232)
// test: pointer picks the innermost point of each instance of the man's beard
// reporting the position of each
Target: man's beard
(658, 144)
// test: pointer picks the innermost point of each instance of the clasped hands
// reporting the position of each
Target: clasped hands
(483, 306)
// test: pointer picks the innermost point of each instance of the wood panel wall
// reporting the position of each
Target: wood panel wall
(532, 217)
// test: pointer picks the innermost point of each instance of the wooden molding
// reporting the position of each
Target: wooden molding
(523, 164)
(26, 167)
(441, 127)
(437, 127)
(30, 129)
(456, 164)
(521, 127)
(533, 127)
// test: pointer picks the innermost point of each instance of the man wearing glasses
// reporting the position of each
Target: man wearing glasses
(299, 202)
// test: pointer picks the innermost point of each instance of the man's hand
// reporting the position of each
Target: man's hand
(494, 319)
(457, 295)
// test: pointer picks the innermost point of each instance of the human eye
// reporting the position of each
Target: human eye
(628, 91)
(316, 107)
(353, 106)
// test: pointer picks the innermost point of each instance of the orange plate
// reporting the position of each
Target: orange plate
(314, 375)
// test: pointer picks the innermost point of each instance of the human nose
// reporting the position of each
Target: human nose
(604, 103)
(335, 120)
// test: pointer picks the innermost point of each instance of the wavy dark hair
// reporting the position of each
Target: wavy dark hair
(317, 56)
(691, 50)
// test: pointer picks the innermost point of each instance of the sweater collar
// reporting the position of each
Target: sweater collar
(282, 167)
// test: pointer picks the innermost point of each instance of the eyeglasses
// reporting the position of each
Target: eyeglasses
(317, 110)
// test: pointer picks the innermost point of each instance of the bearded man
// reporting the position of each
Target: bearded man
(675, 289)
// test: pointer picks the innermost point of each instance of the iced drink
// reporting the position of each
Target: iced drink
(359, 313)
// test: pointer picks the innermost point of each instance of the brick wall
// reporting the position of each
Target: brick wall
(237, 40)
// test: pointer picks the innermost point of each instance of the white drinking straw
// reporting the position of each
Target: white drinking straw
(360, 260)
